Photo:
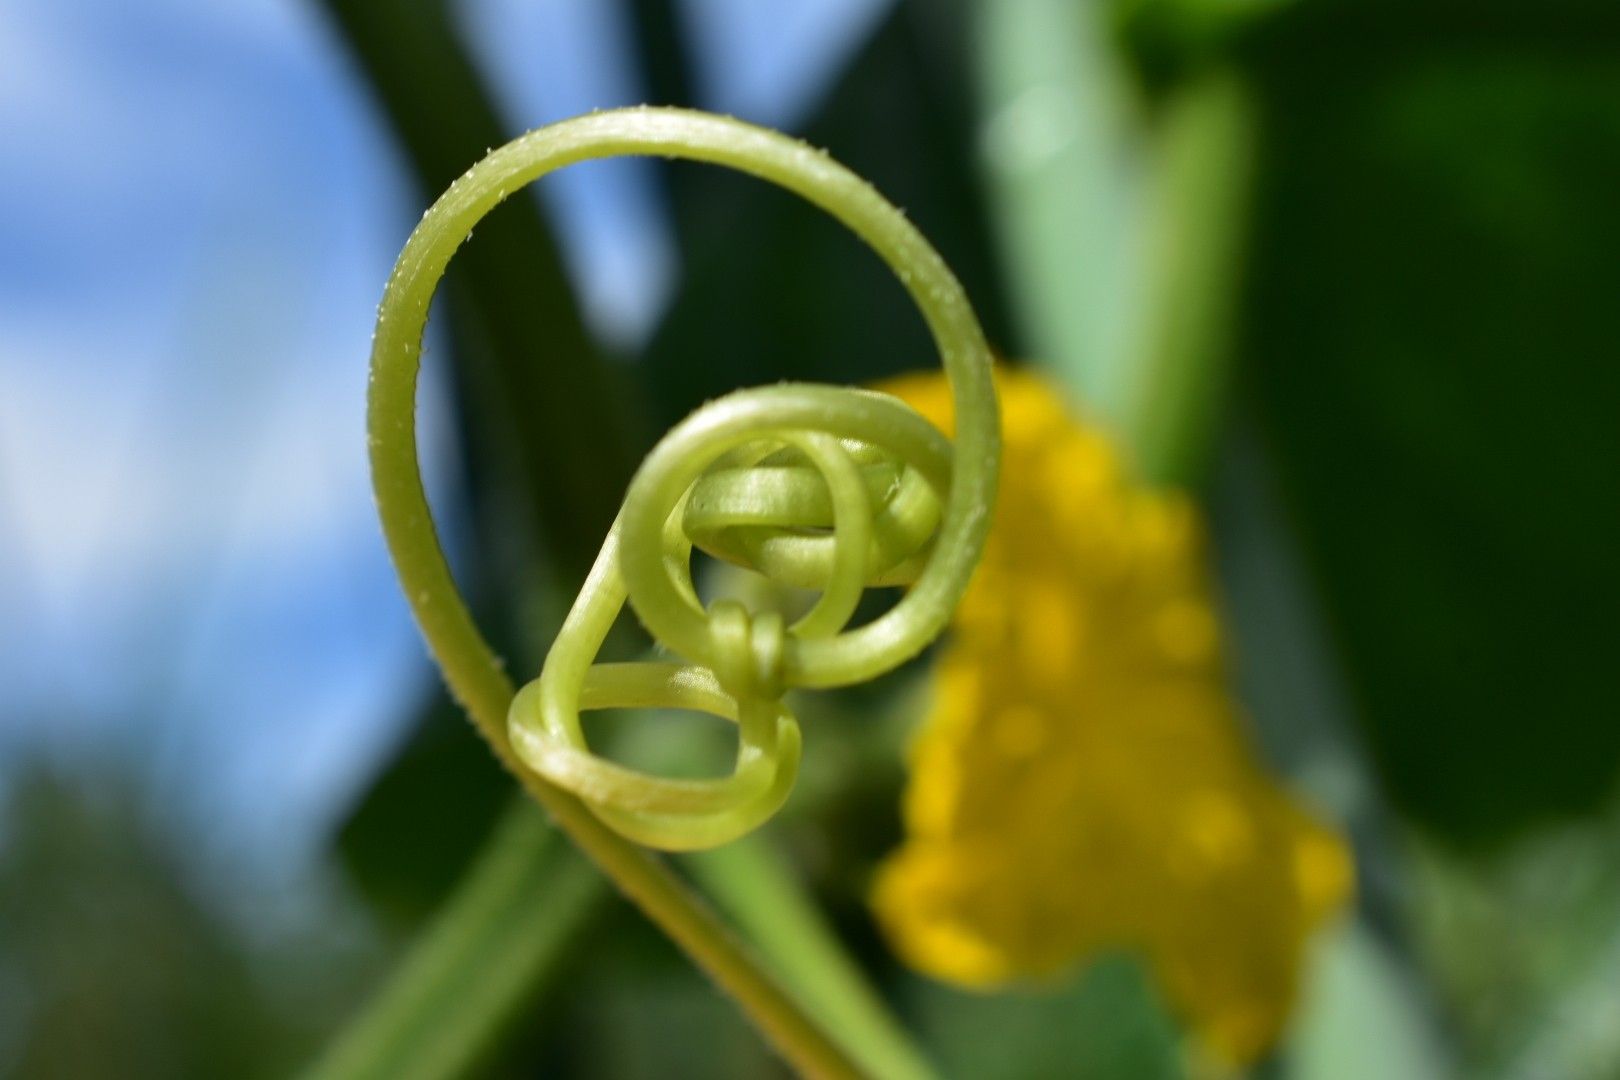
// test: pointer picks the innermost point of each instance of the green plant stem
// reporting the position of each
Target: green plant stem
(502, 933)
(757, 888)
(494, 945)
(1198, 221)
(1060, 158)
(1123, 221)
(474, 674)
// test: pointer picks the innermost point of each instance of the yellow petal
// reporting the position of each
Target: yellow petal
(1083, 781)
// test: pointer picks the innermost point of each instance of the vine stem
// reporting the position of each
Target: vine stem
(474, 673)
(491, 949)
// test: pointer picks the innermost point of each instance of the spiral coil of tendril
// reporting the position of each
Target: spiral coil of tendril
(853, 504)
(825, 488)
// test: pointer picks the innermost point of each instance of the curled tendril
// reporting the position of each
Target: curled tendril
(821, 487)
(826, 488)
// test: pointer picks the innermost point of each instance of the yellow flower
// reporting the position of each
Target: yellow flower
(1083, 782)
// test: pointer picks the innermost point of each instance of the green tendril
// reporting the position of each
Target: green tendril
(826, 488)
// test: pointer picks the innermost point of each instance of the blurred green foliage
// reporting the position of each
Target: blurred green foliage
(112, 964)
(1427, 347)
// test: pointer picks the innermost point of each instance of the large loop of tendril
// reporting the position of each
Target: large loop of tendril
(827, 488)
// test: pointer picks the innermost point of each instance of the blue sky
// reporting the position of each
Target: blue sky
(197, 213)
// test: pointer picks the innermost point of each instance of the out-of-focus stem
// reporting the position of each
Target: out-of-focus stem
(1198, 221)
(756, 887)
(1122, 220)
(501, 938)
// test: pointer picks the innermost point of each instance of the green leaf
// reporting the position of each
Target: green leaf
(1429, 352)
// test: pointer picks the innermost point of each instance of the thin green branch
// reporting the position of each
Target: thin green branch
(1123, 220)
(505, 934)
(1203, 176)
(756, 887)
(501, 935)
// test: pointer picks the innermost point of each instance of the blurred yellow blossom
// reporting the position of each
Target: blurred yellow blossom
(1083, 782)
